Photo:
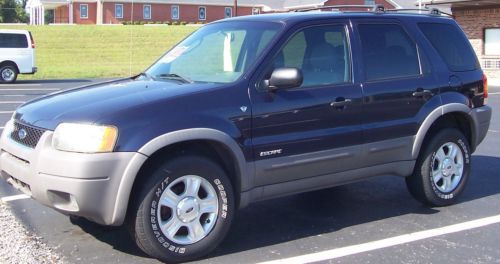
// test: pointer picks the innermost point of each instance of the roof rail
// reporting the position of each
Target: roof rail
(374, 8)
(430, 11)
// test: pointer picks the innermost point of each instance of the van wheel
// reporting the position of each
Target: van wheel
(8, 74)
(184, 209)
(442, 169)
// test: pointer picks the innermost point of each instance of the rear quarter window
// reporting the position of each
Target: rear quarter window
(13, 40)
(452, 45)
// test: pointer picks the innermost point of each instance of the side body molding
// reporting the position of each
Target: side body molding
(432, 117)
(164, 140)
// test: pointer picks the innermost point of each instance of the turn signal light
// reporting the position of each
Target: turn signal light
(485, 88)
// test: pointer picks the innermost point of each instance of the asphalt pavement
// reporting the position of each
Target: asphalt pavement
(374, 221)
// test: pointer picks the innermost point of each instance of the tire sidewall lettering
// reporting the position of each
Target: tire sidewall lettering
(223, 198)
(161, 239)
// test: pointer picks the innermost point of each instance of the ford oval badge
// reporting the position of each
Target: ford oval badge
(22, 133)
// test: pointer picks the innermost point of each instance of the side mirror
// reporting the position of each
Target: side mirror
(285, 78)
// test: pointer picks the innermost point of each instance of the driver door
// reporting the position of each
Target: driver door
(313, 129)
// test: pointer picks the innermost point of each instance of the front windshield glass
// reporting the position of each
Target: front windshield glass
(216, 53)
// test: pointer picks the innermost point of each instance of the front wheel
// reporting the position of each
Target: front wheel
(8, 74)
(184, 210)
(442, 169)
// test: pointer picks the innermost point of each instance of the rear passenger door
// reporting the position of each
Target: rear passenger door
(397, 84)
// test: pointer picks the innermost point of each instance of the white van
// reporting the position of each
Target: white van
(17, 54)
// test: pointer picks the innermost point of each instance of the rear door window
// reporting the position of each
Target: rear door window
(452, 46)
(13, 40)
(388, 52)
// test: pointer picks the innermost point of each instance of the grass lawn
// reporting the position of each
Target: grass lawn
(99, 51)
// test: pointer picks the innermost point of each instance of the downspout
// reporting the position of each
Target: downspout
(235, 8)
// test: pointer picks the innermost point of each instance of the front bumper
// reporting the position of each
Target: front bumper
(80, 184)
(481, 117)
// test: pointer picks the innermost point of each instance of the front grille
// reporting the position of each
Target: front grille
(32, 135)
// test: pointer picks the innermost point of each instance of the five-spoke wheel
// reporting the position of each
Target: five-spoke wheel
(187, 209)
(447, 167)
(442, 168)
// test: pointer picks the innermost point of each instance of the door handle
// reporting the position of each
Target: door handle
(422, 93)
(340, 103)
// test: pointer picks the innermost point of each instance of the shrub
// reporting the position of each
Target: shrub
(183, 23)
(175, 23)
(167, 22)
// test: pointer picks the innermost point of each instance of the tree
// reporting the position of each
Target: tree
(11, 11)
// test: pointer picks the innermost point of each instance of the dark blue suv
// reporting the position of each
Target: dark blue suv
(253, 108)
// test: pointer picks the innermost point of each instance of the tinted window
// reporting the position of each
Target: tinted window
(13, 41)
(388, 52)
(452, 46)
(321, 53)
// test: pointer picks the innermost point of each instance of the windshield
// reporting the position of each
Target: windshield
(216, 53)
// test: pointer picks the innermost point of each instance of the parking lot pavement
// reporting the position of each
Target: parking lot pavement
(375, 221)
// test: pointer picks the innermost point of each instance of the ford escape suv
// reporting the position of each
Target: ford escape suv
(252, 108)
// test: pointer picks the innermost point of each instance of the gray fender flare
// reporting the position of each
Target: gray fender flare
(431, 118)
(167, 139)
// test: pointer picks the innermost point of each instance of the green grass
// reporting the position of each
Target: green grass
(99, 51)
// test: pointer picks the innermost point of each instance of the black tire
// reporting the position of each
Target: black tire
(421, 184)
(12, 70)
(144, 224)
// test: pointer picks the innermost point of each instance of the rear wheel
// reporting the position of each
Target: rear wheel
(8, 73)
(442, 169)
(184, 210)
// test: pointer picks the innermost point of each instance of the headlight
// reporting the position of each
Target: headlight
(84, 138)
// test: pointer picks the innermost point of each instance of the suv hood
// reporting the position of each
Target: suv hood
(95, 102)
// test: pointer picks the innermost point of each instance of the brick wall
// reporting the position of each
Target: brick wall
(162, 12)
(61, 14)
(92, 12)
(474, 21)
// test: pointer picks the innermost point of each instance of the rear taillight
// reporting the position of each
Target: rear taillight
(32, 41)
(485, 88)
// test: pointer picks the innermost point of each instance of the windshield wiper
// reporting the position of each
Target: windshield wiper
(147, 75)
(174, 76)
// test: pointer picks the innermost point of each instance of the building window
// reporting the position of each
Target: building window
(202, 13)
(84, 11)
(255, 11)
(146, 12)
(492, 41)
(369, 2)
(175, 12)
(118, 10)
(228, 12)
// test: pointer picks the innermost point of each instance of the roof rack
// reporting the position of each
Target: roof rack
(377, 9)
(430, 11)
(373, 8)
